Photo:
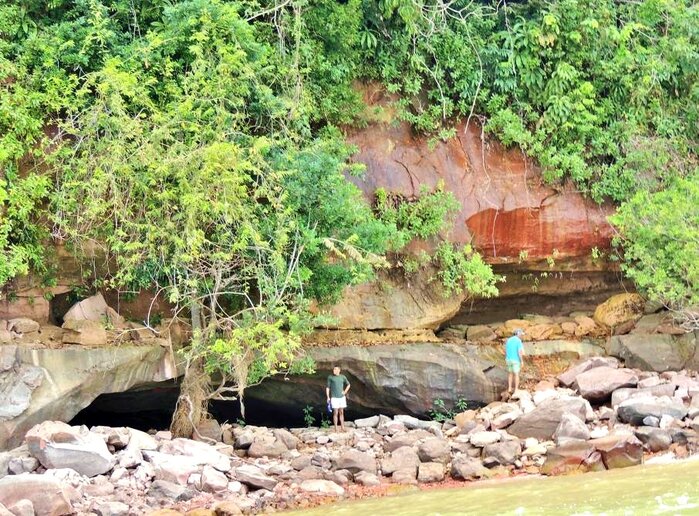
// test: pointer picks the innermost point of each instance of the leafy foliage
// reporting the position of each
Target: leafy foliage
(659, 233)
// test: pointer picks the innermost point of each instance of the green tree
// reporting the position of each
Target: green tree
(659, 235)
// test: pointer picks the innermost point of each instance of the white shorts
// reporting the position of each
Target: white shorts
(337, 403)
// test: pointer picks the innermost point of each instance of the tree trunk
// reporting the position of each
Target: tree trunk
(193, 401)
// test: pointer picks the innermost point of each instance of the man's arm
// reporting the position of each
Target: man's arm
(327, 393)
(347, 388)
(521, 354)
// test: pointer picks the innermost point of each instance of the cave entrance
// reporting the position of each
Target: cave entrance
(151, 407)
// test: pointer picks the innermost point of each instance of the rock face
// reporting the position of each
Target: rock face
(392, 379)
(77, 376)
(505, 209)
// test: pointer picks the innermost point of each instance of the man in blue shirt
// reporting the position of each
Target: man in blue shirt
(513, 359)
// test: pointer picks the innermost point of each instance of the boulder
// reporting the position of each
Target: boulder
(430, 472)
(481, 439)
(503, 453)
(22, 325)
(634, 410)
(649, 352)
(367, 479)
(405, 476)
(597, 384)
(434, 450)
(266, 448)
(568, 377)
(655, 439)
(619, 450)
(369, 422)
(45, 493)
(173, 468)
(413, 423)
(93, 308)
(585, 326)
(170, 492)
(21, 508)
(467, 468)
(213, 481)
(254, 477)
(480, 333)
(356, 461)
(202, 453)
(570, 427)
(545, 418)
(663, 389)
(57, 445)
(209, 430)
(619, 309)
(84, 332)
(112, 508)
(322, 487)
(573, 457)
(403, 458)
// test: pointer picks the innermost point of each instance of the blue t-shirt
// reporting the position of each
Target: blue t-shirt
(512, 347)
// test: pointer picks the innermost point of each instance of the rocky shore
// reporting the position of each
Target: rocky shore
(597, 415)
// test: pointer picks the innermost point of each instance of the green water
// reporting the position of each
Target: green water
(642, 490)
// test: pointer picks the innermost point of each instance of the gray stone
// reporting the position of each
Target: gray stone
(19, 465)
(369, 422)
(202, 453)
(405, 476)
(651, 421)
(664, 389)
(655, 439)
(367, 479)
(45, 493)
(481, 439)
(322, 487)
(567, 378)
(93, 308)
(16, 387)
(254, 477)
(172, 468)
(57, 445)
(287, 438)
(571, 427)
(467, 468)
(545, 418)
(413, 423)
(648, 352)
(634, 410)
(169, 491)
(356, 461)
(598, 384)
(401, 459)
(434, 450)
(112, 509)
(266, 448)
(430, 472)
(504, 453)
(212, 480)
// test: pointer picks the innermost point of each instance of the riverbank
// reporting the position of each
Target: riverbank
(594, 416)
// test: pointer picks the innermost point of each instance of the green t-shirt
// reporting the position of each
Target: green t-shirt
(337, 384)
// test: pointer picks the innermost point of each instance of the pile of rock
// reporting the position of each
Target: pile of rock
(602, 416)
(619, 315)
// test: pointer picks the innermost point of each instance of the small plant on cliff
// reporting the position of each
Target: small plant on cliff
(441, 413)
(308, 417)
(464, 270)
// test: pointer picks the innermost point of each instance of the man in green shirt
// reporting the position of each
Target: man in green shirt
(336, 392)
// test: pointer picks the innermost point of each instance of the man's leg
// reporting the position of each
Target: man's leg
(342, 418)
(509, 382)
(516, 375)
(335, 416)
